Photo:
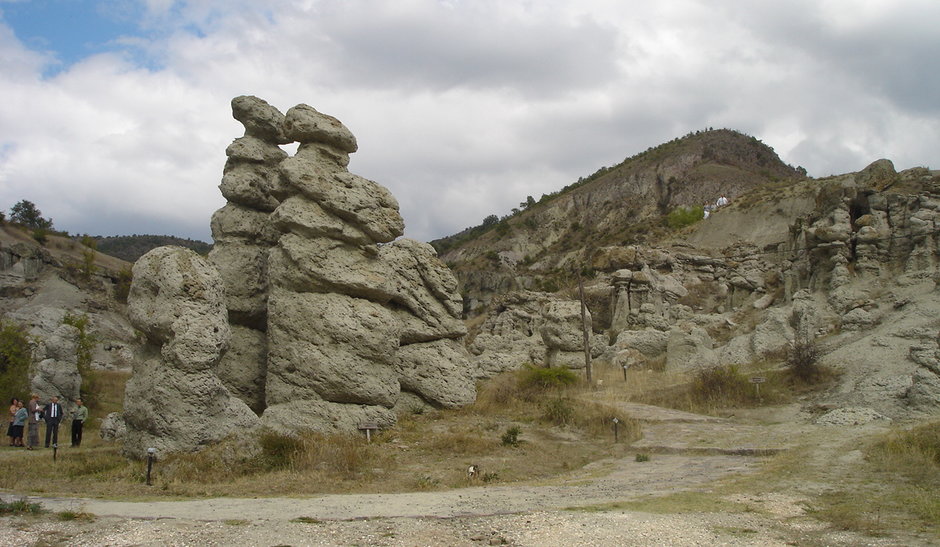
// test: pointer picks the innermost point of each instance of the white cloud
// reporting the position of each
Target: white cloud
(461, 108)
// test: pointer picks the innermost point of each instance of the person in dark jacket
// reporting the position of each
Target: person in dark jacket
(53, 415)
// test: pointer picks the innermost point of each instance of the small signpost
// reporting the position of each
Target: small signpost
(625, 367)
(757, 381)
(616, 429)
(368, 427)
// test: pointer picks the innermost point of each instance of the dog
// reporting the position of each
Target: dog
(474, 472)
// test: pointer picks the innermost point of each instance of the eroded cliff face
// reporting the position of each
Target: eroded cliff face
(329, 318)
(623, 205)
(850, 262)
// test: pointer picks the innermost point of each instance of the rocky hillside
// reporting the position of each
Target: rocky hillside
(847, 264)
(548, 243)
(42, 284)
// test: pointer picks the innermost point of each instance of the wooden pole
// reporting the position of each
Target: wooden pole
(587, 334)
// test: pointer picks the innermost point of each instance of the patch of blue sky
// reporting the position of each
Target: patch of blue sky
(72, 30)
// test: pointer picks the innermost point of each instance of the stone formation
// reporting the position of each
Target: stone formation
(311, 313)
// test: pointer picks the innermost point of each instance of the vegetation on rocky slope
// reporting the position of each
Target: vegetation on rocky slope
(132, 247)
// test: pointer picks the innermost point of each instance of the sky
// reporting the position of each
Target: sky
(115, 114)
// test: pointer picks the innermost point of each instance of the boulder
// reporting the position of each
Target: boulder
(304, 124)
(56, 371)
(332, 347)
(260, 119)
(243, 368)
(689, 349)
(113, 427)
(650, 342)
(174, 400)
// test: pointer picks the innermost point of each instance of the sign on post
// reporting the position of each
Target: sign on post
(757, 381)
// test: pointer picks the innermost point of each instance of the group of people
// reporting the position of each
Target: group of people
(720, 202)
(27, 416)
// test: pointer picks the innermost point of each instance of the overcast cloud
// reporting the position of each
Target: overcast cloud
(461, 108)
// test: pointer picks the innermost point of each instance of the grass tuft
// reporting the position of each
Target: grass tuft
(19, 507)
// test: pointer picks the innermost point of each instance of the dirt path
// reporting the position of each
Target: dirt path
(690, 452)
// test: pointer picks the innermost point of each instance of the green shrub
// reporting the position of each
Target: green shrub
(41, 235)
(19, 506)
(546, 379)
(15, 360)
(91, 387)
(680, 217)
(640, 457)
(123, 286)
(511, 436)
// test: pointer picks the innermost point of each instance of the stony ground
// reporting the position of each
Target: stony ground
(688, 454)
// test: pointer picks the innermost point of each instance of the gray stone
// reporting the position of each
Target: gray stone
(438, 371)
(260, 119)
(243, 368)
(255, 150)
(650, 342)
(332, 347)
(304, 124)
(113, 427)
(176, 402)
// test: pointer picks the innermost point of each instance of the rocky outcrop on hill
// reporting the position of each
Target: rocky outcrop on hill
(855, 266)
(619, 205)
(332, 318)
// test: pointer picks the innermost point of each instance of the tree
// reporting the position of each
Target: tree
(15, 359)
(26, 213)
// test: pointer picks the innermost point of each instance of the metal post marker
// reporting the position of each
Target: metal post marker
(757, 381)
(150, 454)
(625, 367)
(616, 430)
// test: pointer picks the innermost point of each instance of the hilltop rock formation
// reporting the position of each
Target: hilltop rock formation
(323, 318)
(613, 208)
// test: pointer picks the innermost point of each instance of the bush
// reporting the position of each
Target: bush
(20, 506)
(721, 386)
(123, 286)
(532, 378)
(41, 235)
(15, 360)
(278, 450)
(802, 358)
(558, 411)
(86, 345)
(511, 436)
(680, 217)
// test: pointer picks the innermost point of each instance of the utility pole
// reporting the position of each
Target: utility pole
(587, 334)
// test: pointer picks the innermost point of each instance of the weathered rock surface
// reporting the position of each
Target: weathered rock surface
(331, 317)
(56, 370)
(175, 401)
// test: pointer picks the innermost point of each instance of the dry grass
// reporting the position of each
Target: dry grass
(423, 451)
